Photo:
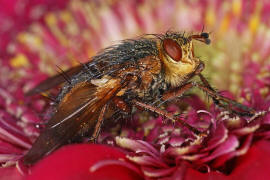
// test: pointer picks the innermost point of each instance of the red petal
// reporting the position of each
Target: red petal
(10, 173)
(192, 174)
(255, 164)
(75, 161)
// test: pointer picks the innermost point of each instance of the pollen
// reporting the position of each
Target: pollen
(255, 19)
(66, 16)
(20, 60)
(28, 38)
(225, 23)
(253, 23)
(50, 19)
(237, 7)
(210, 17)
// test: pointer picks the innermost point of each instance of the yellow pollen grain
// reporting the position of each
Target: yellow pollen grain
(65, 16)
(44, 94)
(237, 7)
(27, 38)
(255, 57)
(91, 14)
(22, 37)
(248, 96)
(50, 19)
(254, 22)
(20, 60)
(225, 24)
(263, 74)
(255, 19)
(210, 17)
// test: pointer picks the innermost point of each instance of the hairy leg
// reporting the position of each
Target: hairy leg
(168, 115)
(98, 125)
(221, 101)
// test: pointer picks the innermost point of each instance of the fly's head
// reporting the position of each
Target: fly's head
(177, 55)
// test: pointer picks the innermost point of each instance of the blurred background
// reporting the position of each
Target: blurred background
(36, 35)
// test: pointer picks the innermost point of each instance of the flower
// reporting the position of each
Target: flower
(15, 16)
(37, 35)
(74, 162)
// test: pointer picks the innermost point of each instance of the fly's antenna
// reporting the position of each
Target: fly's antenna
(203, 37)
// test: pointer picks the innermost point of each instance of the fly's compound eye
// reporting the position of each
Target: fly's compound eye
(173, 49)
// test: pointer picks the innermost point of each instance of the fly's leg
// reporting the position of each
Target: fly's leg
(177, 92)
(121, 104)
(221, 101)
(98, 125)
(169, 116)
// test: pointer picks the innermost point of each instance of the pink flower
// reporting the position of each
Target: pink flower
(253, 165)
(85, 161)
(38, 35)
(16, 15)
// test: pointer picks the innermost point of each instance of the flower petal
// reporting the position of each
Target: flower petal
(74, 162)
(255, 164)
(229, 145)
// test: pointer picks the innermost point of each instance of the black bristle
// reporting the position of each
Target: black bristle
(64, 75)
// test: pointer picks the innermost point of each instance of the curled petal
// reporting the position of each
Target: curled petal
(153, 173)
(219, 136)
(179, 151)
(229, 145)
(21, 167)
(7, 148)
(163, 140)
(134, 145)
(14, 138)
(246, 130)
(149, 146)
(9, 157)
(176, 141)
(119, 162)
(194, 157)
(239, 152)
(147, 160)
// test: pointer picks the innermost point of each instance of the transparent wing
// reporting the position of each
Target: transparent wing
(78, 110)
(54, 81)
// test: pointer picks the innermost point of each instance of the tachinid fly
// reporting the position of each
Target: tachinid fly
(139, 73)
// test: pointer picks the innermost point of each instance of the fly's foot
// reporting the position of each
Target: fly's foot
(234, 107)
(256, 115)
(93, 140)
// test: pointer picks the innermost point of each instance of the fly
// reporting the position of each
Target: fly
(138, 73)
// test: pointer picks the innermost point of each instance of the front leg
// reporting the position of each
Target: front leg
(221, 101)
(169, 116)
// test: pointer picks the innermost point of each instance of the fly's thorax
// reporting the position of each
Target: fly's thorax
(176, 54)
(152, 91)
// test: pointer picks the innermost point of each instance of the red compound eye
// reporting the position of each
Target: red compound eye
(173, 49)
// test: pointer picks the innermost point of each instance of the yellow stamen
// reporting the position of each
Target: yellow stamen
(20, 60)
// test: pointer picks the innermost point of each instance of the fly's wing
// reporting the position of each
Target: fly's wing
(54, 81)
(78, 110)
